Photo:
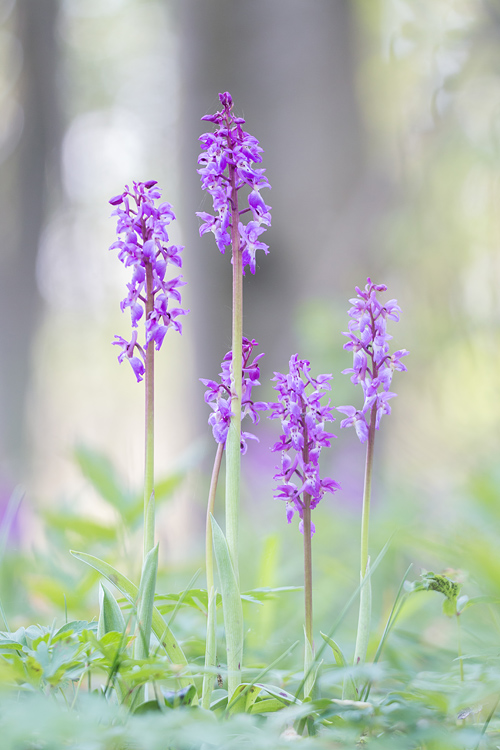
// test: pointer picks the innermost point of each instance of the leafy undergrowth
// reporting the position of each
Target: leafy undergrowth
(67, 688)
(432, 681)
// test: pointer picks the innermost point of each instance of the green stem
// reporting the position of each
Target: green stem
(365, 599)
(149, 498)
(234, 641)
(308, 568)
(309, 646)
(233, 444)
(306, 518)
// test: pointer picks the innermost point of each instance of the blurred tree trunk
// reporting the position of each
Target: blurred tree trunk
(23, 190)
(304, 112)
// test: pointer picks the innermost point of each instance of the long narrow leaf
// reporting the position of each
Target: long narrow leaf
(210, 650)
(110, 614)
(349, 691)
(309, 672)
(346, 607)
(396, 609)
(130, 591)
(145, 604)
(365, 614)
(231, 604)
(270, 689)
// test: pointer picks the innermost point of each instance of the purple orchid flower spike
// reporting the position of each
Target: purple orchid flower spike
(373, 368)
(303, 420)
(218, 395)
(226, 166)
(142, 244)
(373, 365)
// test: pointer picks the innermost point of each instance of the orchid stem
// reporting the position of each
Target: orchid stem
(149, 497)
(233, 442)
(233, 447)
(309, 646)
(365, 597)
(308, 568)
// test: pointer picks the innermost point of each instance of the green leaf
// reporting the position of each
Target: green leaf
(266, 706)
(110, 614)
(349, 691)
(450, 607)
(210, 650)
(219, 700)
(130, 591)
(279, 693)
(74, 628)
(147, 707)
(145, 603)
(248, 693)
(436, 582)
(265, 594)
(101, 473)
(137, 672)
(183, 697)
(195, 598)
(231, 601)
(163, 490)
(337, 651)
(364, 618)
(462, 605)
(309, 671)
(56, 660)
(261, 595)
(86, 528)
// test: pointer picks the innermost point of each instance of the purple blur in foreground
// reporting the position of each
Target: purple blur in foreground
(218, 395)
(302, 420)
(142, 244)
(226, 166)
(373, 366)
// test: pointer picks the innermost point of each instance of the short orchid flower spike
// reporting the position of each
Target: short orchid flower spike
(218, 395)
(373, 365)
(303, 420)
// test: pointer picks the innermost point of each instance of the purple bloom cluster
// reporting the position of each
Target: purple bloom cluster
(226, 167)
(373, 366)
(142, 244)
(304, 435)
(218, 395)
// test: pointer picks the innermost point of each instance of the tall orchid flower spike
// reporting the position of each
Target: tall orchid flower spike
(303, 418)
(226, 167)
(143, 247)
(373, 368)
